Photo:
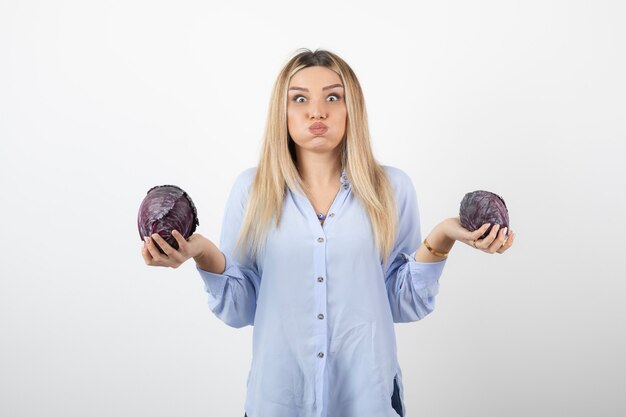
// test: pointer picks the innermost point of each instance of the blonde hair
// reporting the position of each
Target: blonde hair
(277, 170)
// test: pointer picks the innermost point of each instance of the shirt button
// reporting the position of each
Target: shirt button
(320, 316)
(320, 239)
(331, 215)
(321, 354)
(320, 279)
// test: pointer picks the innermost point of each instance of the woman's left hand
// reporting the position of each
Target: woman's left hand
(496, 241)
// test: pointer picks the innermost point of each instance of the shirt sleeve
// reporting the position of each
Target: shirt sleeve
(233, 294)
(411, 285)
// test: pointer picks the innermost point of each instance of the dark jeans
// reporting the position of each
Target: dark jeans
(395, 400)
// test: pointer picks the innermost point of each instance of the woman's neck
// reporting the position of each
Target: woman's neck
(319, 171)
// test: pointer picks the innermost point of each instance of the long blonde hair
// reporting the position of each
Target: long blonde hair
(277, 170)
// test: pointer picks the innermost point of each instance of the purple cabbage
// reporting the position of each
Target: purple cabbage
(165, 208)
(480, 207)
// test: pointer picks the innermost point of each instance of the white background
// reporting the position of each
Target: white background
(99, 101)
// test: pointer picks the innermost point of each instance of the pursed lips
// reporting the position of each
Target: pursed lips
(318, 125)
(318, 128)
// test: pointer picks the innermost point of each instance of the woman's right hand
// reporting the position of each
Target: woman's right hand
(173, 258)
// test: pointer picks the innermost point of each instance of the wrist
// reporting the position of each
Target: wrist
(203, 252)
(449, 228)
(210, 258)
(440, 245)
(439, 239)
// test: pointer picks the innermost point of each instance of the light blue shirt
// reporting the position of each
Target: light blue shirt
(322, 304)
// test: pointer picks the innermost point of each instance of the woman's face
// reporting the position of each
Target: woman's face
(316, 109)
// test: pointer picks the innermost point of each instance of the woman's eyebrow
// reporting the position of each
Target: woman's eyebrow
(325, 88)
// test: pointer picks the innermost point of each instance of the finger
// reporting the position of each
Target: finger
(145, 253)
(174, 257)
(476, 234)
(498, 242)
(492, 235)
(182, 243)
(157, 257)
(508, 243)
(507, 236)
(165, 247)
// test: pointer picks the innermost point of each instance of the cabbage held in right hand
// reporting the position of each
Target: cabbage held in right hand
(480, 207)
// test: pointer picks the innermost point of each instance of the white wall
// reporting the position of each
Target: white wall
(100, 101)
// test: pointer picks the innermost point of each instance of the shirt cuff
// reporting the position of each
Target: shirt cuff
(214, 283)
(424, 275)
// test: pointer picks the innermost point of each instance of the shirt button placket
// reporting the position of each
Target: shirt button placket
(321, 326)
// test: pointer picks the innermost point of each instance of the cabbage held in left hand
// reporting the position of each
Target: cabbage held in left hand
(165, 208)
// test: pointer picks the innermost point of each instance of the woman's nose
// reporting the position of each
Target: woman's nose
(318, 110)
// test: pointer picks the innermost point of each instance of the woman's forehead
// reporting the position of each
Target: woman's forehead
(314, 77)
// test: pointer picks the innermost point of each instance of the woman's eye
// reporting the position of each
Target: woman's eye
(302, 99)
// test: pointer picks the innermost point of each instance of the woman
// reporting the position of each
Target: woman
(321, 251)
